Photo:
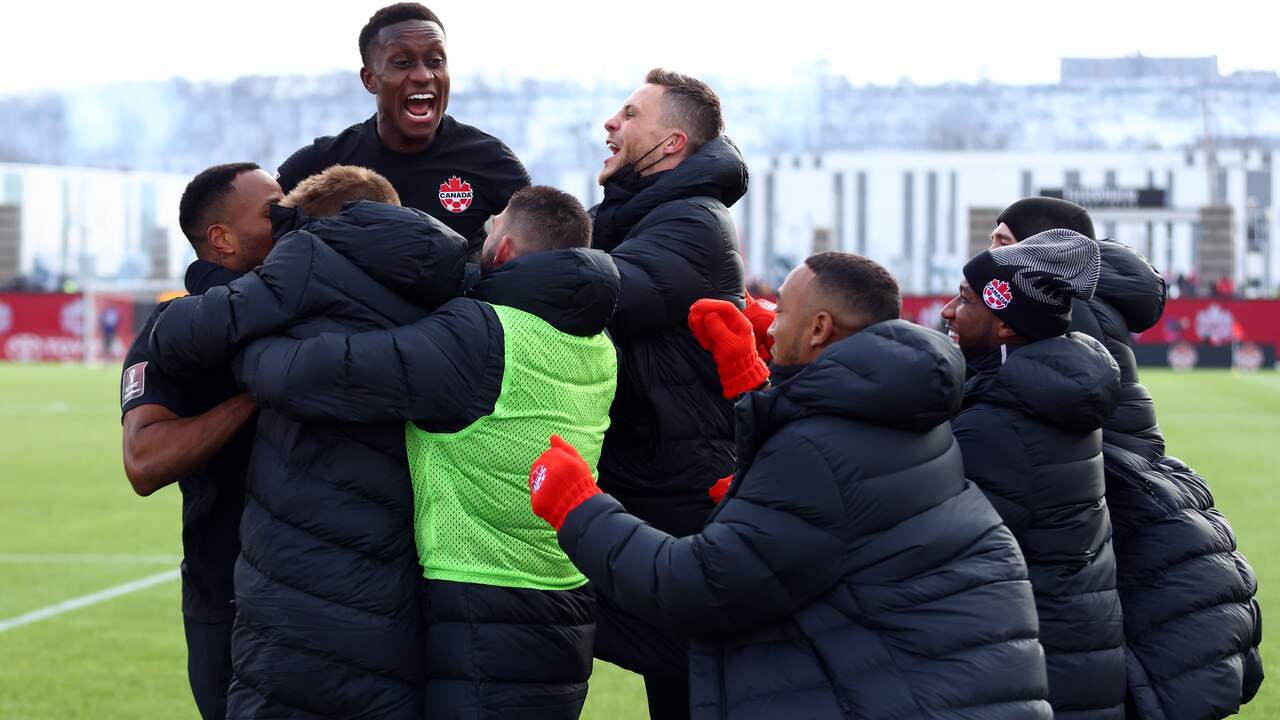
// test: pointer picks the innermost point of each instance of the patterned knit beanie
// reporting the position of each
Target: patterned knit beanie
(1030, 285)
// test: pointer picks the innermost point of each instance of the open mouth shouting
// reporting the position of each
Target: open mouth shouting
(614, 149)
(421, 107)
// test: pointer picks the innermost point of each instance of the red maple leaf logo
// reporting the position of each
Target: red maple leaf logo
(456, 194)
(996, 295)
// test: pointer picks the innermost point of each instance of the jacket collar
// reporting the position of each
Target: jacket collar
(202, 275)
(715, 170)
(574, 290)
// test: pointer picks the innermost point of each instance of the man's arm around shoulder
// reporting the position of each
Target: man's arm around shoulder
(445, 368)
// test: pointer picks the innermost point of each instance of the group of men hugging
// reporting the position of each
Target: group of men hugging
(444, 438)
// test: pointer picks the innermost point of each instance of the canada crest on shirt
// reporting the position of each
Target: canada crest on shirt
(455, 194)
(997, 295)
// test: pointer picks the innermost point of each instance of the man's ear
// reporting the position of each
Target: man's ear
(506, 250)
(368, 80)
(221, 239)
(822, 329)
(676, 143)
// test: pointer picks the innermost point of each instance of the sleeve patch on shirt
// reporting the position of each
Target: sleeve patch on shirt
(133, 383)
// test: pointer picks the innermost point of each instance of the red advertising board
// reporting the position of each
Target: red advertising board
(36, 327)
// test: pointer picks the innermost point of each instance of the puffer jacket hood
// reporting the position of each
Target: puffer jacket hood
(404, 249)
(1131, 285)
(1070, 381)
(920, 369)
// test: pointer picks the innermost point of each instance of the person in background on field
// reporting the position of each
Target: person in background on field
(108, 323)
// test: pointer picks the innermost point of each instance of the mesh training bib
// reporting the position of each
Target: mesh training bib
(472, 517)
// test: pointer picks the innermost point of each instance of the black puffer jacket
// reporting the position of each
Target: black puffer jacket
(673, 241)
(851, 571)
(1129, 299)
(1032, 440)
(492, 651)
(1192, 627)
(329, 619)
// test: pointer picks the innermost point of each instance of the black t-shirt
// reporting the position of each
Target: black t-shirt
(213, 496)
(463, 178)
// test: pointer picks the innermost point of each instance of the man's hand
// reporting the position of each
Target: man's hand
(761, 314)
(727, 334)
(559, 481)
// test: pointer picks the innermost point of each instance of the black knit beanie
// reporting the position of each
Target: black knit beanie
(1030, 285)
(1035, 215)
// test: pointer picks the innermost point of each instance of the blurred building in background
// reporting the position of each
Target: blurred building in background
(61, 227)
(1204, 215)
(1140, 68)
(1173, 158)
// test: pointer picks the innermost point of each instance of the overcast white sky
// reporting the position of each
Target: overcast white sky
(79, 44)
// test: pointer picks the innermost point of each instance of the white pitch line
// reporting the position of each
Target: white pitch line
(67, 606)
(57, 408)
(47, 558)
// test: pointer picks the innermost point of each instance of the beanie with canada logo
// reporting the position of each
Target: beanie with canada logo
(1030, 285)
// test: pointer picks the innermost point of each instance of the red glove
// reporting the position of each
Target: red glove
(761, 314)
(726, 333)
(559, 481)
(718, 490)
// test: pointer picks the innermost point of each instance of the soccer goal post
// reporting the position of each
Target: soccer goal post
(114, 311)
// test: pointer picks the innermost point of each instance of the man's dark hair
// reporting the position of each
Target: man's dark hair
(390, 15)
(690, 105)
(545, 218)
(863, 291)
(202, 202)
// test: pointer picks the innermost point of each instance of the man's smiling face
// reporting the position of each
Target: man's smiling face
(970, 323)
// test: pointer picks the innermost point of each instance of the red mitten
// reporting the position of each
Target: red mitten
(726, 333)
(761, 314)
(718, 490)
(559, 481)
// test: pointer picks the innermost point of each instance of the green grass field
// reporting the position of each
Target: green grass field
(72, 527)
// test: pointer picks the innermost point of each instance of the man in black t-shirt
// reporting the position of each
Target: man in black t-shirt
(198, 432)
(449, 170)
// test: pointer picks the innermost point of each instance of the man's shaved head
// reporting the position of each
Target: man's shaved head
(827, 298)
(859, 291)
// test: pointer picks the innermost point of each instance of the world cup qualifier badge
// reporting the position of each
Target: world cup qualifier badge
(997, 295)
(133, 383)
(455, 194)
